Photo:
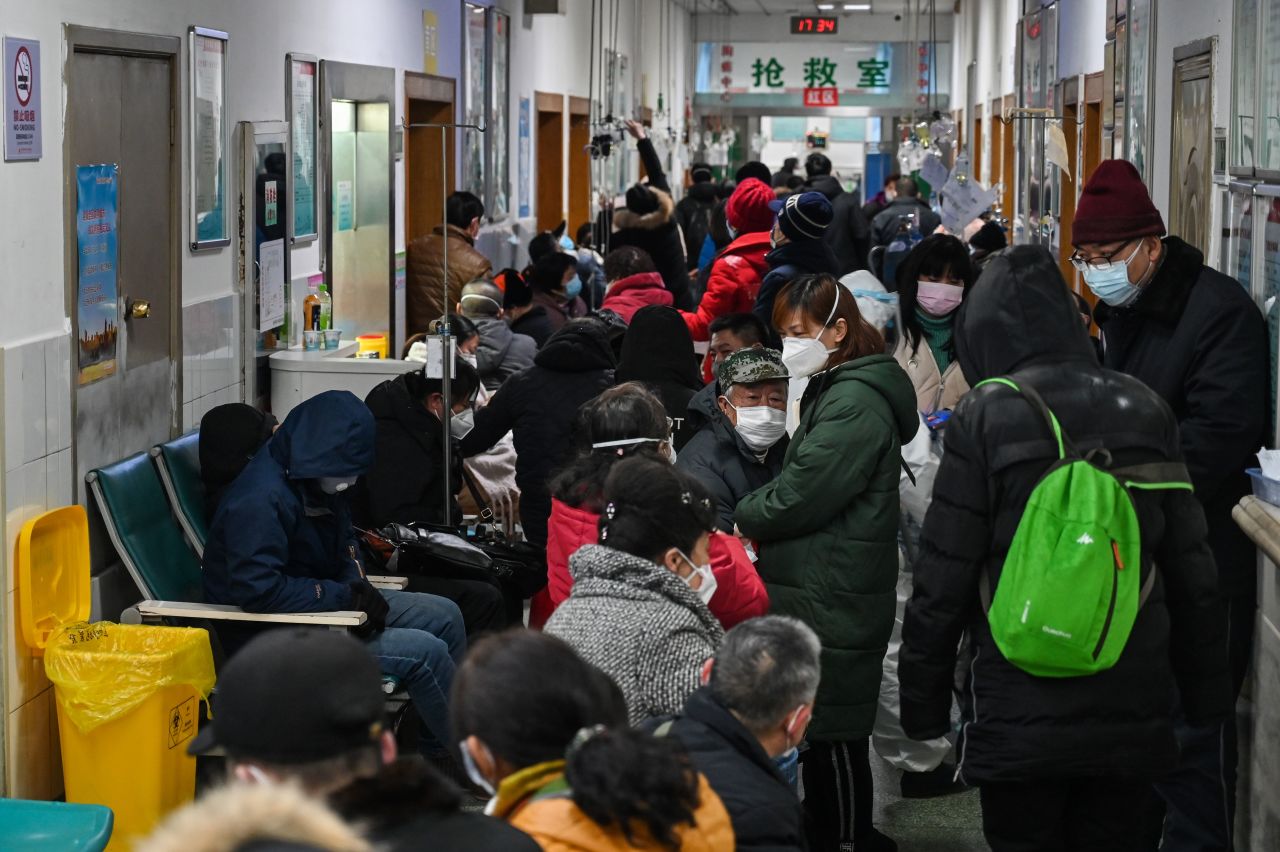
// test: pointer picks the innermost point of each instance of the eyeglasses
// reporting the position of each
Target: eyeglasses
(1081, 263)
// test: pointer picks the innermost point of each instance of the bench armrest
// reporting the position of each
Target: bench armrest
(150, 610)
(388, 581)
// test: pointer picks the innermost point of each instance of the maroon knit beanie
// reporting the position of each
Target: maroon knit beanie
(1114, 206)
(748, 209)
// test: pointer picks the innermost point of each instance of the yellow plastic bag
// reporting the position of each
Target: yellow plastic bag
(104, 670)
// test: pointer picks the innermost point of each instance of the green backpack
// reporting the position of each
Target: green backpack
(1070, 589)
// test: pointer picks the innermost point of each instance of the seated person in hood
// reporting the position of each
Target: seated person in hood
(306, 708)
(501, 352)
(282, 541)
(658, 353)
(633, 282)
(229, 436)
(523, 314)
(740, 446)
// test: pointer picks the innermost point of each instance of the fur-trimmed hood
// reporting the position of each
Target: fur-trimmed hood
(624, 218)
(239, 814)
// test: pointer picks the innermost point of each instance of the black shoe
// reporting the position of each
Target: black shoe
(876, 842)
(929, 785)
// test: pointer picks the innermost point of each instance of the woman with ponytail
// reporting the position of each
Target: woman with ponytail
(566, 770)
(624, 422)
(638, 608)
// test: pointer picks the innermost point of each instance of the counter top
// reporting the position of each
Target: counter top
(1261, 522)
(298, 360)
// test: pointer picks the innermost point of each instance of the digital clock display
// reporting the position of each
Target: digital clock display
(814, 25)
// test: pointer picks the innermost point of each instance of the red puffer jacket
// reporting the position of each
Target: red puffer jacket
(740, 593)
(630, 294)
(735, 279)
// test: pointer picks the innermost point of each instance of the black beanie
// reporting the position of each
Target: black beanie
(641, 200)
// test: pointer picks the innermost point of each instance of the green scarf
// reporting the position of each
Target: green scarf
(937, 333)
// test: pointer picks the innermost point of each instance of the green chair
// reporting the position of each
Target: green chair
(154, 552)
(27, 826)
(178, 464)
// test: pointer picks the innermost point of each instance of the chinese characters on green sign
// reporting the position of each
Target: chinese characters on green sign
(819, 72)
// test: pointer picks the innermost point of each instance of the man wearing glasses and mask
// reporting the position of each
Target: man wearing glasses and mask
(1195, 337)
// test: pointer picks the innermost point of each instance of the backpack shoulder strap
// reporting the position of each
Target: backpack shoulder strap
(1066, 449)
(1155, 476)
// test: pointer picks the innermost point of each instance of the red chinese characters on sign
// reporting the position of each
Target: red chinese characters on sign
(822, 96)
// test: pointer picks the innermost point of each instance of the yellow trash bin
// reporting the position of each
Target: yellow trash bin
(128, 703)
(128, 696)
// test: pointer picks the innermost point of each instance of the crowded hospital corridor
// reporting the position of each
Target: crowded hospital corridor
(606, 425)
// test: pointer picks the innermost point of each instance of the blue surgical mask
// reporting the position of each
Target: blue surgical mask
(1111, 282)
(573, 288)
(788, 764)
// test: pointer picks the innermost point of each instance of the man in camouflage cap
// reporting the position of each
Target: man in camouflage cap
(740, 447)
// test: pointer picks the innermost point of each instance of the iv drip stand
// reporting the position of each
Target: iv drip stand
(445, 330)
(1041, 115)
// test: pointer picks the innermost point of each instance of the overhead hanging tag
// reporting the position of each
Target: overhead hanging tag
(1056, 147)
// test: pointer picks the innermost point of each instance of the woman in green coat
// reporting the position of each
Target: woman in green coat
(827, 530)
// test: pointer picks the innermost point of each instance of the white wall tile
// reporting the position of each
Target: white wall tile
(36, 475)
(57, 403)
(24, 409)
(59, 489)
(188, 422)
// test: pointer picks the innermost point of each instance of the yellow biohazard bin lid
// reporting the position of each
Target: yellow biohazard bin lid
(53, 574)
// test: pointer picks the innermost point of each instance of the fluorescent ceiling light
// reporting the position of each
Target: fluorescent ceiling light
(857, 7)
(826, 7)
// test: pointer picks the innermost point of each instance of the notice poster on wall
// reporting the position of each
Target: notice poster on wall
(97, 309)
(302, 133)
(271, 300)
(344, 205)
(22, 99)
(207, 139)
(523, 156)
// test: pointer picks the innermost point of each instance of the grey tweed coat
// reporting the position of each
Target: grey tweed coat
(640, 624)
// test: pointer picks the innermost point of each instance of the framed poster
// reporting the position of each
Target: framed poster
(1122, 60)
(208, 139)
(97, 305)
(1140, 31)
(302, 75)
(1109, 84)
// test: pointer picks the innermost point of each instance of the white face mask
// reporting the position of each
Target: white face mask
(460, 425)
(667, 450)
(804, 356)
(759, 425)
(336, 484)
(473, 771)
(709, 583)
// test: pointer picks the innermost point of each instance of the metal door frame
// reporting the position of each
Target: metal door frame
(246, 268)
(80, 39)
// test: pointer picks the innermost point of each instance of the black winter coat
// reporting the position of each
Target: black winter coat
(693, 215)
(406, 482)
(1019, 320)
(658, 352)
(657, 233)
(539, 404)
(849, 234)
(885, 226)
(1196, 338)
(410, 806)
(786, 263)
(717, 457)
(502, 352)
(764, 810)
(536, 324)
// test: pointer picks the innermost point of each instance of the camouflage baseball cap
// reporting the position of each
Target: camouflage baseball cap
(747, 366)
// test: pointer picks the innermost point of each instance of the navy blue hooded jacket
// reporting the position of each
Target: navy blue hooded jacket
(278, 543)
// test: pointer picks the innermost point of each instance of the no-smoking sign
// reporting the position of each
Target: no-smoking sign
(21, 99)
(23, 79)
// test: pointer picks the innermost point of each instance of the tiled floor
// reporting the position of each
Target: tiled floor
(945, 824)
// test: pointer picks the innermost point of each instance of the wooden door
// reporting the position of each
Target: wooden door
(428, 100)
(550, 169)
(579, 164)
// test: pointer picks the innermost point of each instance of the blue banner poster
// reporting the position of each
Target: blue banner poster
(526, 188)
(97, 313)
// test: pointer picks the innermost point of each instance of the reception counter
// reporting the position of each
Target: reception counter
(297, 375)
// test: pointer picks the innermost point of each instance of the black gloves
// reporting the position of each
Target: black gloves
(367, 599)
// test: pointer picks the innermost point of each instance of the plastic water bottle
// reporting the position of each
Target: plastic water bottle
(326, 308)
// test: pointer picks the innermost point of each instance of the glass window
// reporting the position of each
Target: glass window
(498, 137)
(1240, 233)
(475, 50)
(1244, 50)
(1268, 128)
(848, 130)
(1271, 286)
(786, 129)
(1139, 55)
